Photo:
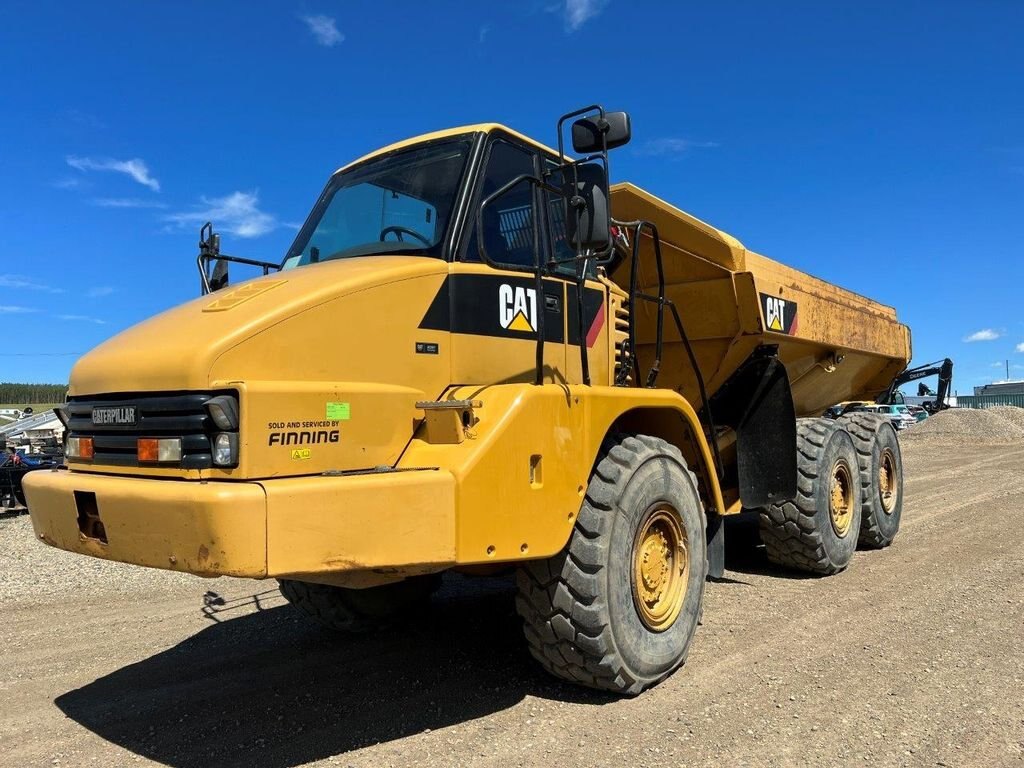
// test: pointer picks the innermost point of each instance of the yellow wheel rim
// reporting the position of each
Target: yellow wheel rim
(840, 503)
(888, 481)
(661, 568)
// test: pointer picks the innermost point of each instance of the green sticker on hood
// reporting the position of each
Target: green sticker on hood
(338, 411)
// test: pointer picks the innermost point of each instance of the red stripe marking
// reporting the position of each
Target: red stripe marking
(595, 327)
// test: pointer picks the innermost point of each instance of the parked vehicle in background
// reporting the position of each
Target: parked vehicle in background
(899, 415)
(14, 465)
(918, 412)
(847, 406)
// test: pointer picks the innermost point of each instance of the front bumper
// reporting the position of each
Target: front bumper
(307, 526)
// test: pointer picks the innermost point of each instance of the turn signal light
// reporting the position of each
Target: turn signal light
(162, 451)
(79, 448)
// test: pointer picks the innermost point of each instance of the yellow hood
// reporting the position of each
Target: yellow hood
(178, 349)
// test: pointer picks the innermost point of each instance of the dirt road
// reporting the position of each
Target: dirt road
(914, 656)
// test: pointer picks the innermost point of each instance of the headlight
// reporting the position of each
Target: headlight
(223, 409)
(225, 449)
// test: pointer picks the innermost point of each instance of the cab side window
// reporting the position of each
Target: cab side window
(508, 221)
(561, 252)
(563, 255)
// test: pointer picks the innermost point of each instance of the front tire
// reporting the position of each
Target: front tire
(360, 610)
(618, 607)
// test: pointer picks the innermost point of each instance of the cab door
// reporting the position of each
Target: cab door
(495, 314)
(563, 265)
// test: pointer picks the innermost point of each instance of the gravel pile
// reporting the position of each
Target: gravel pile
(31, 571)
(1003, 424)
(1010, 413)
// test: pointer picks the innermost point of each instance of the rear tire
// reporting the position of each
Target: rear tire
(360, 610)
(881, 471)
(618, 607)
(817, 531)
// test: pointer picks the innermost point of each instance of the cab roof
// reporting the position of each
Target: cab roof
(447, 133)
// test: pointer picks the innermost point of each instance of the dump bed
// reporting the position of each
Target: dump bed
(835, 344)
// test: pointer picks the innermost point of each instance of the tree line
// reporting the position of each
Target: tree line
(27, 394)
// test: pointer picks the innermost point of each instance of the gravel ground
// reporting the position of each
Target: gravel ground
(30, 571)
(913, 656)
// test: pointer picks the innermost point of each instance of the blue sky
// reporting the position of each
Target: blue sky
(879, 145)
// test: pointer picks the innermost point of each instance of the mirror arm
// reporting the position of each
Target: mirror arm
(209, 250)
(542, 308)
(581, 284)
(561, 121)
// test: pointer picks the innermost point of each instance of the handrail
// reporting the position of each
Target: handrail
(662, 302)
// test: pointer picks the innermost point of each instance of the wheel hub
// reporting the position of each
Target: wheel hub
(887, 481)
(661, 566)
(841, 499)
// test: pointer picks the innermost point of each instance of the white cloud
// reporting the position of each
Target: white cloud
(82, 319)
(985, 334)
(237, 213)
(672, 146)
(578, 12)
(99, 291)
(484, 30)
(999, 364)
(1020, 347)
(126, 202)
(7, 309)
(26, 284)
(68, 183)
(135, 168)
(324, 29)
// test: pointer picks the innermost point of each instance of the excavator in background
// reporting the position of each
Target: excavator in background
(942, 368)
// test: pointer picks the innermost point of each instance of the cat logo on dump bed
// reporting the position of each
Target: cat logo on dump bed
(517, 308)
(779, 314)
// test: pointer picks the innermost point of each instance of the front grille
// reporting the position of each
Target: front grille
(156, 415)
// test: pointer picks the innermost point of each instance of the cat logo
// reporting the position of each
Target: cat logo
(775, 310)
(517, 308)
(779, 314)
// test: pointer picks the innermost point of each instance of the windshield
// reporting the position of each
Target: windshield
(400, 203)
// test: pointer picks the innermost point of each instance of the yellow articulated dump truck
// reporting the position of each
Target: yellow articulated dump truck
(480, 355)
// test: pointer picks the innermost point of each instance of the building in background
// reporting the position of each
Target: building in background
(1001, 388)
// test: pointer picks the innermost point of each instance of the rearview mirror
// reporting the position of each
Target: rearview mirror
(586, 215)
(219, 275)
(587, 132)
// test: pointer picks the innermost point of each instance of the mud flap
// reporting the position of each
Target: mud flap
(716, 546)
(757, 403)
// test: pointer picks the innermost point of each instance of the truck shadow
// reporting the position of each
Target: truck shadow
(270, 689)
(744, 552)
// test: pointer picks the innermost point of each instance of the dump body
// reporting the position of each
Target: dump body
(835, 344)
